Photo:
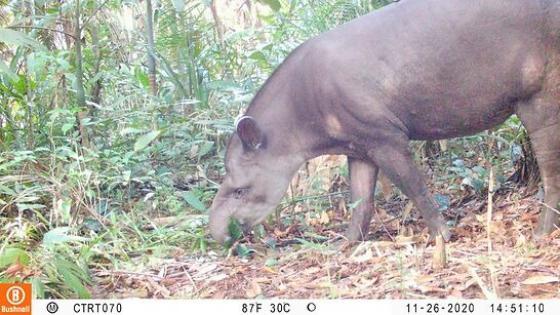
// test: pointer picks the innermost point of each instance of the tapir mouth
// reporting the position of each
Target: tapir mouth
(224, 235)
(220, 218)
(247, 228)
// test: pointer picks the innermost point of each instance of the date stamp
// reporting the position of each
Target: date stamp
(440, 308)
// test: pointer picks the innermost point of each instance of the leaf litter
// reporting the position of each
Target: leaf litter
(395, 261)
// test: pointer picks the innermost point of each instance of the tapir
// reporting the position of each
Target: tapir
(413, 70)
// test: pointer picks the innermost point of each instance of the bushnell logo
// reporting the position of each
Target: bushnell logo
(15, 298)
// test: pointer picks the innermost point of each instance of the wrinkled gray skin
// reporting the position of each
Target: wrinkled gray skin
(414, 70)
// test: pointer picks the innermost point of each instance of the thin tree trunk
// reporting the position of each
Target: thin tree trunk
(151, 49)
(80, 93)
(193, 88)
(217, 20)
(96, 91)
(30, 130)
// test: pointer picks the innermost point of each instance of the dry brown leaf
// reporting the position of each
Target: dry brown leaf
(542, 279)
(481, 218)
(216, 277)
(269, 270)
(428, 289)
(324, 218)
(406, 240)
(498, 227)
(425, 278)
(311, 270)
(14, 269)
(163, 221)
(206, 268)
(386, 186)
(407, 210)
(362, 253)
(140, 292)
(456, 294)
(253, 290)
(262, 280)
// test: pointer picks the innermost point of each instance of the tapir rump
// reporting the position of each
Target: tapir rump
(414, 70)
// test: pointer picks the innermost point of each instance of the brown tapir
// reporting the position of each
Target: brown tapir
(414, 70)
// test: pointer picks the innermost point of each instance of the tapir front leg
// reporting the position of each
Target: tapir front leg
(395, 161)
(363, 177)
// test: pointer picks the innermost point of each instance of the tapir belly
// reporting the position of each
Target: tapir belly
(466, 101)
(441, 121)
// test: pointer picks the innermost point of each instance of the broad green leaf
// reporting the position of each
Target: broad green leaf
(130, 130)
(270, 262)
(20, 85)
(193, 201)
(29, 206)
(60, 235)
(66, 127)
(235, 231)
(356, 203)
(73, 282)
(5, 69)
(28, 199)
(38, 288)
(142, 77)
(16, 38)
(12, 255)
(244, 251)
(205, 148)
(443, 202)
(260, 58)
(273, 4)
(144, 140)
(63, 208)
(7, 190)
(259, 231)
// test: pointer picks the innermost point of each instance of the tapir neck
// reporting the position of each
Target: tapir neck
(275, 117)
(289, 115)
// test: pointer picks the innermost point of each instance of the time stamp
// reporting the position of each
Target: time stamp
(470, 308)
(398, 307)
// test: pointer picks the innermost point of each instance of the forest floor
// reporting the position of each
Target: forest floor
(394, 263)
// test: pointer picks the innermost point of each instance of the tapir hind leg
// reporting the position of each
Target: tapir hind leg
(395, 160)
(363, 177)
(541, 118)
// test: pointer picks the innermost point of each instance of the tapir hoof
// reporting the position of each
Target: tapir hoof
(437, 227)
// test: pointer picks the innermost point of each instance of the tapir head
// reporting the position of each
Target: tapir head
(257, 176)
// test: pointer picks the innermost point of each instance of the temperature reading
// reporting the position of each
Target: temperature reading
(251, 308)
(279, 307)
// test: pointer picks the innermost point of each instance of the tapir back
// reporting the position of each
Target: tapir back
(440, 69)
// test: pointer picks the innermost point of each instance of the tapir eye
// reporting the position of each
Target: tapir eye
(240, 193)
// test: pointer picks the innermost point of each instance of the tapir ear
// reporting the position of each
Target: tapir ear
(249, 132)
